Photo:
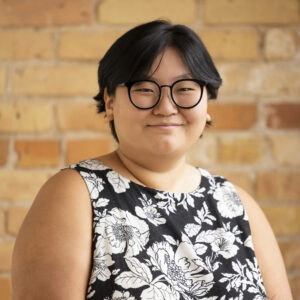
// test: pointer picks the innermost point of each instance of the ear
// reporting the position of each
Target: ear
(208, 118)
(108, 105)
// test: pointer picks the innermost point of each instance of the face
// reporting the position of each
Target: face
(165, 129)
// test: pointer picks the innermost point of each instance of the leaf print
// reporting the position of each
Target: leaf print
(118, 182)
(92, 164)
(200, 249)
(170, 239)
(192, 229)
(101, 202)
(124, 295)
(139, 268)
(159, 291)
(94, 184)
(129, 279)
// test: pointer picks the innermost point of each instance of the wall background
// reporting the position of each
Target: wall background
(49, 54)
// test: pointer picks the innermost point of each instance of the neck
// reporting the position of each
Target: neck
(162, 173)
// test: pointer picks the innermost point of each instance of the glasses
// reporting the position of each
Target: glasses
(146, 94)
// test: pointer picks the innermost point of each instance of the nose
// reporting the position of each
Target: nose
(165, 106)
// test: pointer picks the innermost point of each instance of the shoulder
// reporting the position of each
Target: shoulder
(58, 230)
(266, 249)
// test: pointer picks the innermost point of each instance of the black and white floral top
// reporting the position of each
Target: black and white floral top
(155, 245)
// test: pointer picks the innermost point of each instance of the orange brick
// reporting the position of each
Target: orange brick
(232, 116)
(6, 249)
(37, 153)
(15, 219)
(55, 12)
(5, 288)
(278, 185)
(204, 152)
(21, 185)
(291, 254)
(86, 45)
(295, 286)
(2, 229)
(231, 44)
(136, 11)
(283, 115)
(78, 150)
(38, 44)
(241, 150)
(284, 219)
(70, 80)
(286, 150)
(251, 12)
(279, 44)
(3, 152)
(2, 80)
(24, 117)
(273, 79)
(80, 117)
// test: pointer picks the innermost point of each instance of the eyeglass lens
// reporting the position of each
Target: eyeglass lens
(185, 93)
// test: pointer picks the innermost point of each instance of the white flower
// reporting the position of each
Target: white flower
(122, 296)
(179, 268)
(149, 211)
(121, 231)
(92, 164)
(118, 182)
(94, 184)
(101, 262)
(229, 203)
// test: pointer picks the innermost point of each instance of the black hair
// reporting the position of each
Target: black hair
(132, 55)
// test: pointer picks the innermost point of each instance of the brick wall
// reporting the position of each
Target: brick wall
(48, 61)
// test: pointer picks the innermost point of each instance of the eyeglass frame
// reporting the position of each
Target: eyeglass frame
(129, 84)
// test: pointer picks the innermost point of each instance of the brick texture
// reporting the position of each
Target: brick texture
(15, 218)
(291, 254)
(232, 116)
(251, 11)
(38, 43)
(21, 117)
(79, 116)
(286, 150)
(136, 11)
(55, 12)
(37, 153)
(279, 185)
(21, 185)
(2, 80)
(86, 45)
(3, 152)
(231, 44)
(78, 150)
(68, 80)
(241, 150)
(6, 249)
(283, 115)
(283, 219)
(279, 44)
(5, 288)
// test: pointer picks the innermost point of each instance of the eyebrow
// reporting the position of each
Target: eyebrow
(183, 76)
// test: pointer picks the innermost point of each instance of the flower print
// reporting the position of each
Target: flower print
(167, 201)
(229, 203)
(248, 243)
(101, 262)
(117, 295)
(118, 182)
(179, 268)
(94, 184)
(149, 211)
(121, 230)
(92, 164)
(101, 202)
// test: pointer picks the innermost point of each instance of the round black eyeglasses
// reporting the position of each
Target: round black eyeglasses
(146, 94)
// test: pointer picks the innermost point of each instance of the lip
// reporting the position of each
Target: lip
(166, 126)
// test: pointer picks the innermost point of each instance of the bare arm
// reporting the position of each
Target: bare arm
(52, 253)
(267, 251)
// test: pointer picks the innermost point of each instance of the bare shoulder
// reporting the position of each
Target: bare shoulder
(266, 250)
(52, 257)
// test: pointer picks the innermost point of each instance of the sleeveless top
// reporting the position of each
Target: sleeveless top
(155, 245)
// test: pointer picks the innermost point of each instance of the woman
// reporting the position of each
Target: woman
(140, 222)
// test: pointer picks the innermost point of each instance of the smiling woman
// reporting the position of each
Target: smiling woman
(140, 222)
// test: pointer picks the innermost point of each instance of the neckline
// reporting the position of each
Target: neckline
(150, 188)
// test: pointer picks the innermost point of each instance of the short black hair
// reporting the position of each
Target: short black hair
(132, 55)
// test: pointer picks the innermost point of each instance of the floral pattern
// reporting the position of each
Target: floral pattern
(150, 244)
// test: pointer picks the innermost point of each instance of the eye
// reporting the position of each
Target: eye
(143, 90)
